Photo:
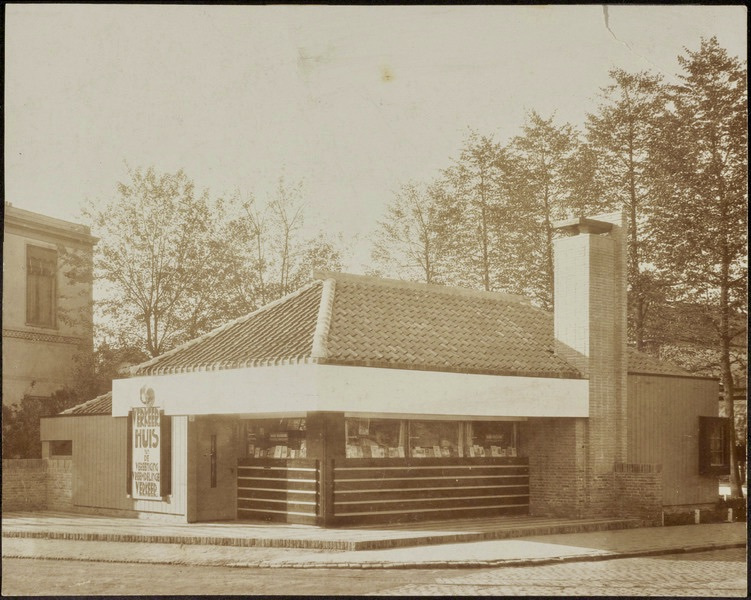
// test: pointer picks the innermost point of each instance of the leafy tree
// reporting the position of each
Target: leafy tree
(21, 436)
(700, 225)
(548, 159)
(174, 263)
(160, 258)
(474, 192)
(622, 134)
(411, 242)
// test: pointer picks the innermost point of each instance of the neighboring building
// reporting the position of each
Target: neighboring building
(358, 400)
(47, 315)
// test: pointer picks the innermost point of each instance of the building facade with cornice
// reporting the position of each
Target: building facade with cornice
(47, 302)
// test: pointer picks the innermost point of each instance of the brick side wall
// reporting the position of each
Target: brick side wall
(24, 484)
(37, 484)
(638, 489)
(60, 484)
(555, 448)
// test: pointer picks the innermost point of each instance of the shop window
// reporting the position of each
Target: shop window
(434, 439)
(375, 438)
(61, 448)
(714, 446)
(41, 293)
(276, 438)
(490, 438)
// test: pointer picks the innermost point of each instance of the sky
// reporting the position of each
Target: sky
(352, 101)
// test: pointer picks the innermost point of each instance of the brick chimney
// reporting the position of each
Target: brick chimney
(590, 331)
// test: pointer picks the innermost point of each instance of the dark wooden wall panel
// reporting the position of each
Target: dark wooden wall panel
(395, 490)
(278, 490)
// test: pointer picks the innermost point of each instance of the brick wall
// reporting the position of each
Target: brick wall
(638, 491)
(37, 484)
(555, 448)
(59, 484)
(24, 484)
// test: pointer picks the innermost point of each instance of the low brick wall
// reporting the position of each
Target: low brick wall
(37, 484)
(59, 484)
(638, 491)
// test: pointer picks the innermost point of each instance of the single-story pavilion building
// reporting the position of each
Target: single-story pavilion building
(365, 400)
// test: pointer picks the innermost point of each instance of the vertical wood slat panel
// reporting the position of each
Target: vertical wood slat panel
(100, 459)
(663, 429)
(179, 463)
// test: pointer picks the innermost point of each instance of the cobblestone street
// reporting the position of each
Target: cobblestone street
(716, 573)
(720, 573)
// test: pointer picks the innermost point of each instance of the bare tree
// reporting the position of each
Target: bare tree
(411, 240)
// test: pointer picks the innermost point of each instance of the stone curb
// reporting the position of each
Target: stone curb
(447, 564)
(346, 545)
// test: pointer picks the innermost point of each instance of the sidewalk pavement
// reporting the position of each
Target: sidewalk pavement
(528, 551)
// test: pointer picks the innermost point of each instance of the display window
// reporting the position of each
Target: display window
(490, 438)
(434, 439)
(276, 438)
(375, 438)
(393, 438)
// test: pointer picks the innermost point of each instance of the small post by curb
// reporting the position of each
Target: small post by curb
(697, 516)
(730, 515)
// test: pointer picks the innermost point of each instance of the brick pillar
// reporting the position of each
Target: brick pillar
(590, 329)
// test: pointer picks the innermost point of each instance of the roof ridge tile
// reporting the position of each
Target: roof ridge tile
(419, 286)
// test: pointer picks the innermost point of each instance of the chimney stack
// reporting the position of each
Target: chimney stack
(590, 328)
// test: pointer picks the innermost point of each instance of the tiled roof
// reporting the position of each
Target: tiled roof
(640, 362)
(441, 328)
(357, 320)
(101, 405)
(278, 332)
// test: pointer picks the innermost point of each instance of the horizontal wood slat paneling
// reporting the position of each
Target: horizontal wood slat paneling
(466, 512)
(278, 490)
(277, 484)
(410, 472)
(432, 482)
(341, 496)
(392, 490)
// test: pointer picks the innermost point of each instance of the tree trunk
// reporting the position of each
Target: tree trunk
(637, 293)
(550, 266)
(728, 386)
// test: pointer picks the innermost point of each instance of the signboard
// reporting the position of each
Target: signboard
(146, 444)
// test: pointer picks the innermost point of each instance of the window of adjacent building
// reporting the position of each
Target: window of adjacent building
(714, 446)
(41, 288)
(61, 448)
(375, 438)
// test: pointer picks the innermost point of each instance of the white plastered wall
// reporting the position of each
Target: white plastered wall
(315, 387)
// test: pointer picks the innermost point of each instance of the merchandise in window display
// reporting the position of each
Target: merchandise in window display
(374, 438)
(276, 438)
